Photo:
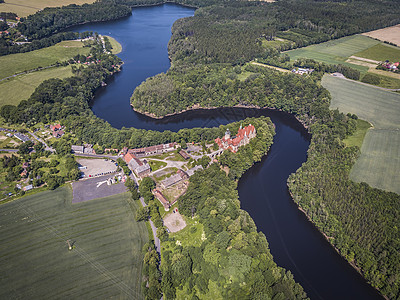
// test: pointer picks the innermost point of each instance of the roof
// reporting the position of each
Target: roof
(128, 157)
(161, 198)
(76, 148)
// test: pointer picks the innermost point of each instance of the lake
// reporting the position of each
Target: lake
(294, 242)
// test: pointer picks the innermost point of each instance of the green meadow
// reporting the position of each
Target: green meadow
(379, 161)
(19, 62)
(336, 51)
(27, 83)
(106, 259)
(381, 52)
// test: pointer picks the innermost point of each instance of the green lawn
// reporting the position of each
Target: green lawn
(35, 262)
(27, 83)
(155, 164)
(116, 47)
(16, 63)
(336, 51)
(357, 138)
(379, 162)
(381, 52)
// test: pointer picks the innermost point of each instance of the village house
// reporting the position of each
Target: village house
(152, 150)
(302, 71)
(140, 168)
(162, 199)
(242, 138)
(77, 149)
(56, 130)
(184, 154)
(179, 176)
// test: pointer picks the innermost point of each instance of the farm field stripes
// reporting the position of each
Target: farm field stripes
(106, 260)
(381, 52)
(336, 51)
(379, 161)
(379, 107)
(27, 83)
(24, 8)
(19, 62)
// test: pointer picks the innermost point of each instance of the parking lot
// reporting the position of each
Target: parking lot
(85, 190)
(96, 167)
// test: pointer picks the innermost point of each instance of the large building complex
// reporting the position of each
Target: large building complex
(242, 138)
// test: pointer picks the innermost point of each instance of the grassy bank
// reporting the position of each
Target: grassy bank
(116, 47)
(106, 260)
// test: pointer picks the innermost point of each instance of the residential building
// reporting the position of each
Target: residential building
(140, 168)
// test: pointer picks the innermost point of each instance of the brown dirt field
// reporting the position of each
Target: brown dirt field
(174, 222)
(388, 34)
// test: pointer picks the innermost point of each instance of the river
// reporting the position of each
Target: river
(294, 242)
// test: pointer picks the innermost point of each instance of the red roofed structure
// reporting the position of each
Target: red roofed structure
(242, 138)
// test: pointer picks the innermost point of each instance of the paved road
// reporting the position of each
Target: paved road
(97, 155)
(9, 150)
(154, 229)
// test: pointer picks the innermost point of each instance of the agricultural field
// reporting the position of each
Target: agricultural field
(19, 62)
(336, 51)
(106, 258)
(379, 161)
(381, 52)
(388, 34)
(27, 83)
(24, 8)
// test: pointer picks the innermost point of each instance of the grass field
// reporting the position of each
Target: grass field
(336, 51)
(27, 83)
(357, 138)
(24, 8)
(381, 52)
(379, 162)
(116, 47)
(15, 63)
(35, 261)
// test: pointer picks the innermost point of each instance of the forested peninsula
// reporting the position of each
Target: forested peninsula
(209, 54)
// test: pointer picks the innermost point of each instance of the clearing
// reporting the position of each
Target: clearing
(24, 8)
(174, 221)
(27, 83)
(388, 34)
(379, 161)
(20, 62)
(106, 261)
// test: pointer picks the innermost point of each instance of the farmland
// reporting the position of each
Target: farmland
(27, 83)
(381, 52)
(24, 8)
(379, 161)
(389, 34)
(105, 262)
(15, 63)
(336, 51)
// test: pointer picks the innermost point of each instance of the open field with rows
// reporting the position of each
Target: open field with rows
(336, 51)
(27, 83)
(19, 62)
(24, 8)
(105, 262)
(381, 52)
(379, 161)
(388, 34)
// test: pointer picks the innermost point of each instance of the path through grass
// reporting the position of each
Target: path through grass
(35, 261)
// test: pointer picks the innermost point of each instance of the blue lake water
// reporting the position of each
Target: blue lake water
(294, 242)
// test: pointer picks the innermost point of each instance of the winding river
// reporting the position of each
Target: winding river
(294, 242)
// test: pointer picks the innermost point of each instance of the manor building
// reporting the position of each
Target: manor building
(242, 138)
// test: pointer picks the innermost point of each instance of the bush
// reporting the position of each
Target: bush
(371, 79)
